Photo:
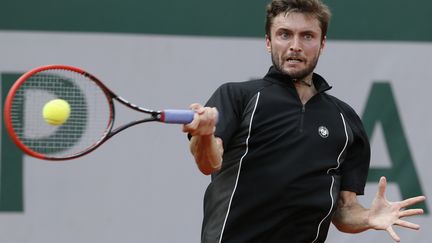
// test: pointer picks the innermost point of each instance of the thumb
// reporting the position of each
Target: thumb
(382, 185)
(198, 108)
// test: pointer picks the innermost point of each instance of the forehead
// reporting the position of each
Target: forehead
(296, 22)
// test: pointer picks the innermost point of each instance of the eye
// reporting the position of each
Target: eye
(284, 35)
(308, 37)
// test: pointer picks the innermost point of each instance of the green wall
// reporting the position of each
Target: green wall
(394, 20)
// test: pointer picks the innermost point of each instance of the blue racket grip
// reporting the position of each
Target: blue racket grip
(177, 116)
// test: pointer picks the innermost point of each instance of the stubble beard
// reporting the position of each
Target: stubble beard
(298, 75)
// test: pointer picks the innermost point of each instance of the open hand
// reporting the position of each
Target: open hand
(384, 214)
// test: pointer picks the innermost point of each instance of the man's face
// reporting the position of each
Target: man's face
(295, 44)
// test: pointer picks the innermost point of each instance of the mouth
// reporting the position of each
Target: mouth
(294, 60)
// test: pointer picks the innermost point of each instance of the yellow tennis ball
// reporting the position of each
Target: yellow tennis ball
(56, 112)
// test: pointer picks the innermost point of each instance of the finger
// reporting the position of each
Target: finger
(393, 234)
(219, 142)
(204, 121)
(382, 187)
(198, 108)
(407, 224)
(213, 119)
(192, 126)
(195, 106)
(411, 201)
(410, 212)
(208, 117)
(215, 116)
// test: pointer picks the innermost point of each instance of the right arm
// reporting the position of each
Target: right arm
(204, 146)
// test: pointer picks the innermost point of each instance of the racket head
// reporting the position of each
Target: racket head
(88, 126)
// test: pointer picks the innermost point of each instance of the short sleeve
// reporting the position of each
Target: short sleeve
(228, 101)
(355, 167)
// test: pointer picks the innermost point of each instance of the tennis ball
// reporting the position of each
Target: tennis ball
(56, 112)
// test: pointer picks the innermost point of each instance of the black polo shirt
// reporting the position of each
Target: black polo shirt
(284, 162)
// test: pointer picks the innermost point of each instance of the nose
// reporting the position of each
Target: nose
(295, 44)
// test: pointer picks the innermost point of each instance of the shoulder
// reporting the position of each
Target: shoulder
(234, 96)
(245, 86)
(244, 90)
(344, 107)
(351, 116)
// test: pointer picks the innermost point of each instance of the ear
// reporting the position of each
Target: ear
(323, 44)
(268, 43)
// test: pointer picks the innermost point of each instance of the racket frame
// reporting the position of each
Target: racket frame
(109, 132)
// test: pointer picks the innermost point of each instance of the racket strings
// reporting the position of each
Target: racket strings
(89, 119)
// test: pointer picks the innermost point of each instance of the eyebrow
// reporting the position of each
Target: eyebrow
(284, 29)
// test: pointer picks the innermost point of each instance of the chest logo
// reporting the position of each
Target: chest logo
(323, 132)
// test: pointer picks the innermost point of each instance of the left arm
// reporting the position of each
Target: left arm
(351, 217)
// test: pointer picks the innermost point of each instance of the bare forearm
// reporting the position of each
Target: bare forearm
(351, 218)
(207, 151)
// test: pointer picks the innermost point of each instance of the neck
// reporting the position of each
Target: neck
(303, 82)
(305, 90)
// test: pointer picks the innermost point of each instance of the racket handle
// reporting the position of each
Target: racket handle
(177, 116)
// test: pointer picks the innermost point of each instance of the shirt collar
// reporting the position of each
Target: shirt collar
(275, 76)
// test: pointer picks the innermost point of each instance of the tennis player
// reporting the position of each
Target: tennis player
(285, 157)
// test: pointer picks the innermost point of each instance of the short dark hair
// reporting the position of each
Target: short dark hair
(313, 8)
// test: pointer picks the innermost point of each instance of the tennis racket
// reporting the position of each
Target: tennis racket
(91, 119)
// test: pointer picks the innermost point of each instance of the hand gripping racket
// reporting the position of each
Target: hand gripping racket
(91, 118)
